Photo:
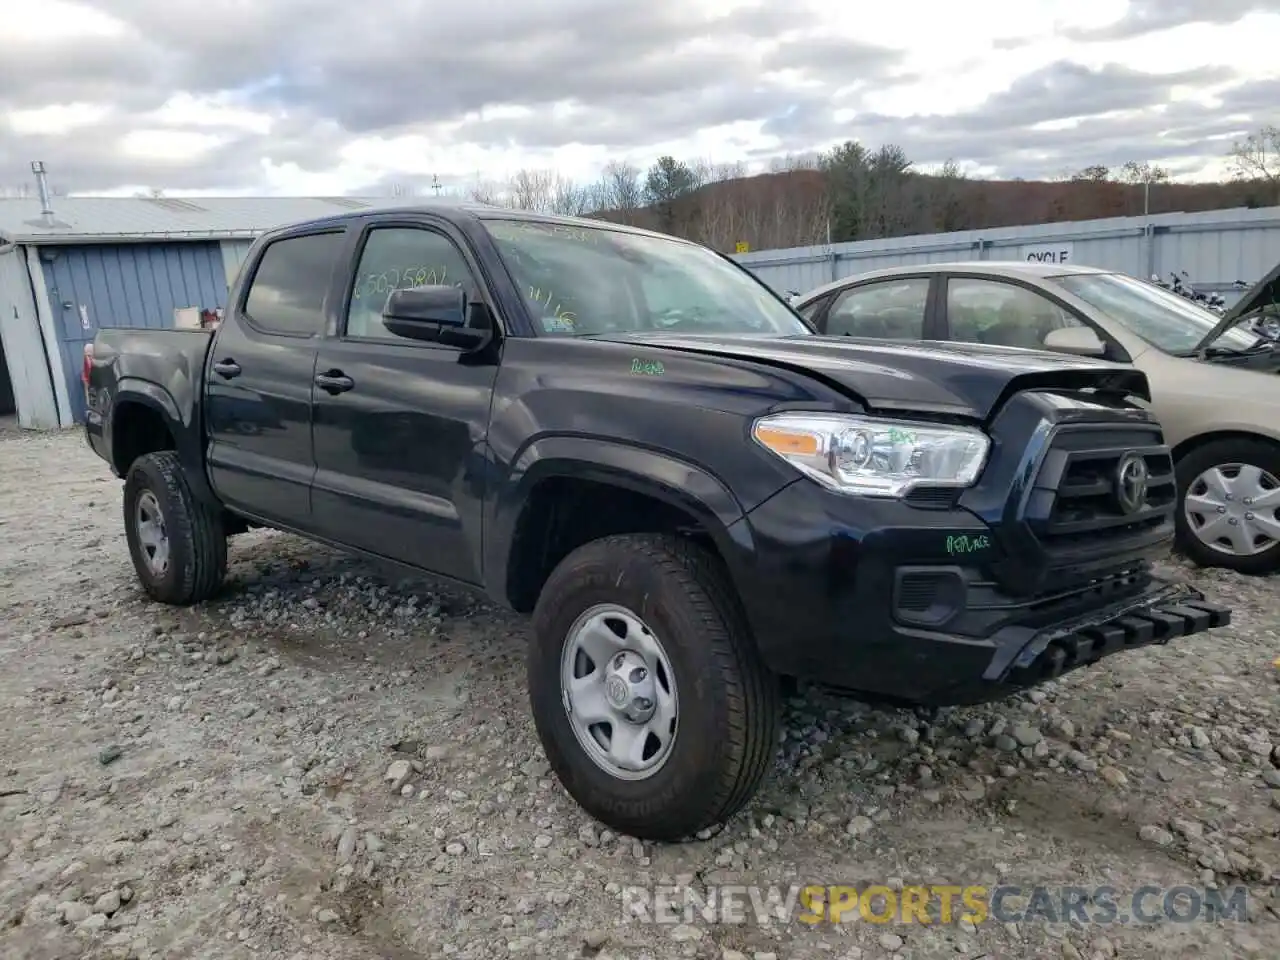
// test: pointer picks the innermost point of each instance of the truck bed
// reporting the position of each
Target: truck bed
(166, 365)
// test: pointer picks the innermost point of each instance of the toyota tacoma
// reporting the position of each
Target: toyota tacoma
(631, 438)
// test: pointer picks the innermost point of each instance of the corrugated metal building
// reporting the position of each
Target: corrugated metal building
(73, 266)
(1215, 248)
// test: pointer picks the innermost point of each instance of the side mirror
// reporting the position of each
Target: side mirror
(437, 314)
(1080, 341)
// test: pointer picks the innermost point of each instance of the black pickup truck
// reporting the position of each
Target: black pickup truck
(634, 439)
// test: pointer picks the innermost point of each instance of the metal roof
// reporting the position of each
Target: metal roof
(125, 219)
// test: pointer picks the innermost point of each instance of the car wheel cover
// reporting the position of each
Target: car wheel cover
(1232, 509)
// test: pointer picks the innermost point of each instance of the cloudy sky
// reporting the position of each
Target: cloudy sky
(329, 97)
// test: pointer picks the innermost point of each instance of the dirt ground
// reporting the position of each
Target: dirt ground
(226, 781)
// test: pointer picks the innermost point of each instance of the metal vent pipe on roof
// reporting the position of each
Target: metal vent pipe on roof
(42, 184)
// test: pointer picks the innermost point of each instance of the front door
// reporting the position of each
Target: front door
(400, 424)
(996, 311)
(258, 381)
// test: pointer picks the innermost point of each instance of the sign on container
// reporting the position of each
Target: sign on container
(1056, 253)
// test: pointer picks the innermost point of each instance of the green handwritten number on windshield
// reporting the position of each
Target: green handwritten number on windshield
(380, 284)
(556, 312)
(901, 436)
(964, 544)
(647, 368)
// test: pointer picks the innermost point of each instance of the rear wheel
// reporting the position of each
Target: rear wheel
(177, 542)
(646, 689)
(1229, 496)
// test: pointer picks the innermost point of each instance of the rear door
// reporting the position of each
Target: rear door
(258, 379)
(400, 424)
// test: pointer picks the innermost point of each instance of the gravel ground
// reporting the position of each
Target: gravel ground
(324, 764)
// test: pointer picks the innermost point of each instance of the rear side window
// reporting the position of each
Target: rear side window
(287, 293)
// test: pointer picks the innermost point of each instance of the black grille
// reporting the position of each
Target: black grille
(1075, 508)
(916, 591)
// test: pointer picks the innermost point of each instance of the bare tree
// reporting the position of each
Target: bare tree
(1143, 172)
(483, 191)
(622, 189)
(791, 162)
(569, 199)
(1257, 158)
(532, 190)
(1096, 173)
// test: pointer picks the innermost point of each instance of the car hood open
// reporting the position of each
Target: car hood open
(968, 380)
(1263, 293)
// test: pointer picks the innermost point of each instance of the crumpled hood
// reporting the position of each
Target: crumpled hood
(969, 380)
(1264, 293)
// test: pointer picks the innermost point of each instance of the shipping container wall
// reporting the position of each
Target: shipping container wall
(1215, 248)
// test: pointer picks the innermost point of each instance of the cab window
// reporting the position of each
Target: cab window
(397, 258)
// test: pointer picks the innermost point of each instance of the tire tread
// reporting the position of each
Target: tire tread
(750, 690)
(198, 525)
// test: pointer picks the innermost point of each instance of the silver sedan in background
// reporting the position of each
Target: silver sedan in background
(1214, 385)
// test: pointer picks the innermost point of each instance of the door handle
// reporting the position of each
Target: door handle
(228, 369)
(335, 381)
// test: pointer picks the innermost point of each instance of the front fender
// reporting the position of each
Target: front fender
(643, 470)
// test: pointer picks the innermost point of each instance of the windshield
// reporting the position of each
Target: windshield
(1165, 320)
(580, 281)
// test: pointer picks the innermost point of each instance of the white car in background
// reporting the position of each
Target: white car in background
(1214, 385)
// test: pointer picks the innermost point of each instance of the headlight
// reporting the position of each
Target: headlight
(873, 457)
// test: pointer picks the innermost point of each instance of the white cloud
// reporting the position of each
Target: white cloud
(169, 146)
(58, 119)
(301, 96)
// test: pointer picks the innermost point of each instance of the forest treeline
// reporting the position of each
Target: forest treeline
(853, 192)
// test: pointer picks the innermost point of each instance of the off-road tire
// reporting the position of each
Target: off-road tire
(1259, 453)
(727, 725)
(197, 543)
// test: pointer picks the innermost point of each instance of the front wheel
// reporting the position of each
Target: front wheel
(646, 688)
(178, 544)
(1229, 505)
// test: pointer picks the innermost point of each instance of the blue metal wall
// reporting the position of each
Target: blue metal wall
(125, 285)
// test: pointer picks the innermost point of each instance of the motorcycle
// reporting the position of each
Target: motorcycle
(1213, 302)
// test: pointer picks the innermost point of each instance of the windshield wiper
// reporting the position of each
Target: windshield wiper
(1262, 346)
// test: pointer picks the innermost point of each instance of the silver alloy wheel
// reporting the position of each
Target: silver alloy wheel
(152, 536)
(619, 691)
(1232, 508)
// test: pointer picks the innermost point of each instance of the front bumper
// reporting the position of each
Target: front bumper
(1163, 612)
(831, 600)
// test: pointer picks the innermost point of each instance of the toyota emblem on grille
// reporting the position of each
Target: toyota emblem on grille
(1131, 483)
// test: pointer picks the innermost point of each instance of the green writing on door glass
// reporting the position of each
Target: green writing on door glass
(647, 368)
(964, 543)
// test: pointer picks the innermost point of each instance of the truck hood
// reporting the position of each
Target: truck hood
(968, 380)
